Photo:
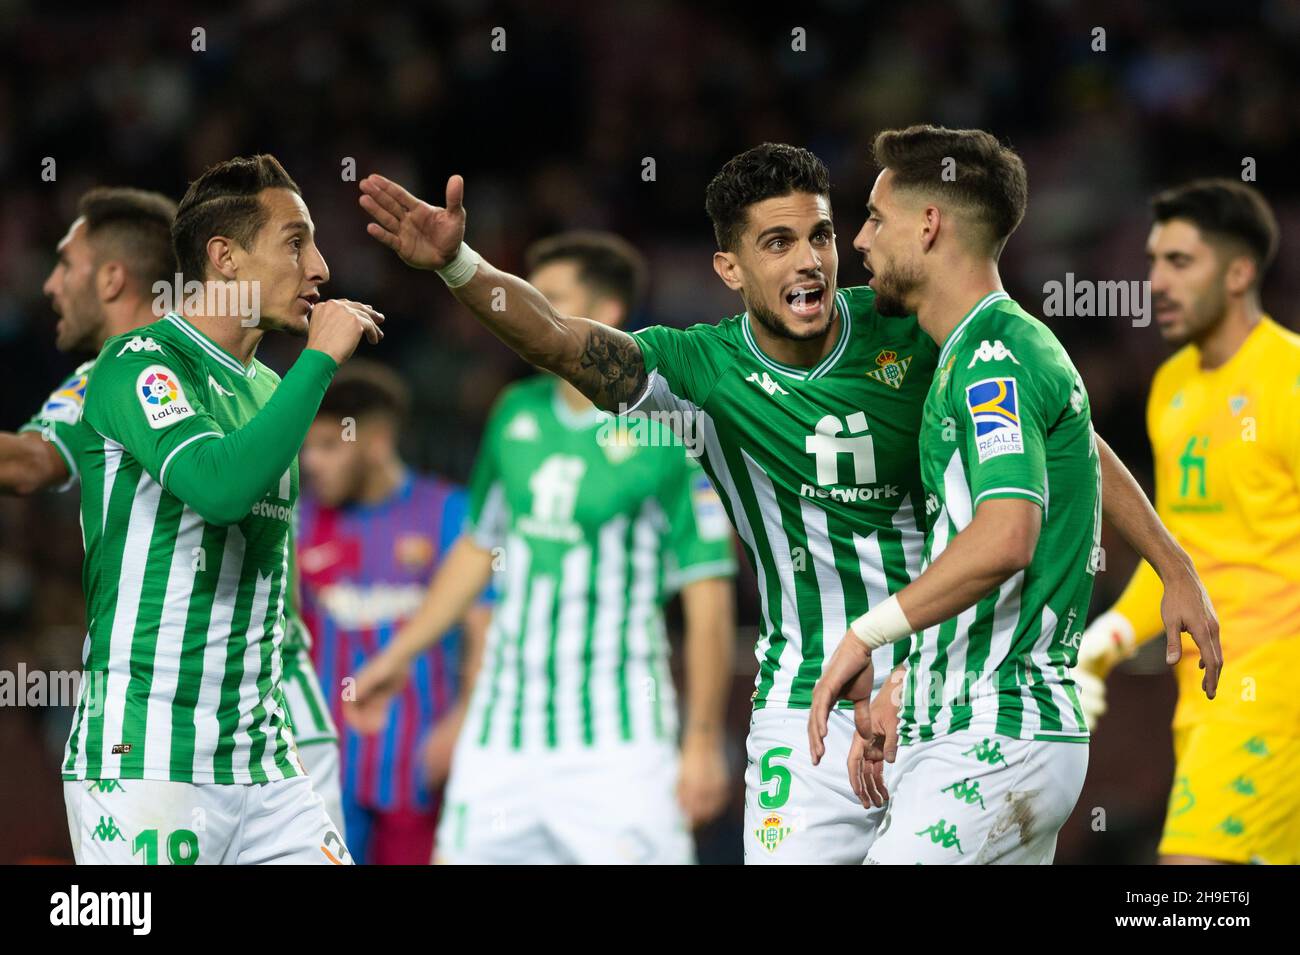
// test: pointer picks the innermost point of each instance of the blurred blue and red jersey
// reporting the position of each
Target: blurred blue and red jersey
(364, 570)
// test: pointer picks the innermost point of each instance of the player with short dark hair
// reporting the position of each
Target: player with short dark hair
(807, 407)
(992, 742)
(570, 750)
(1224, 420)
(114, 252)
(187, 502)
(371, 534)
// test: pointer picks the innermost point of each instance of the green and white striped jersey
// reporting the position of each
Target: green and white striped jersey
(817, 467)
(59, 421)
(592, 527)
(185, 617)
(1007, 416)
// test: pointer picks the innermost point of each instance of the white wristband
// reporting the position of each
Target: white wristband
(461, 268)
(882, 624)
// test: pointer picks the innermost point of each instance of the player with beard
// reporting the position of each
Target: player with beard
(115, 250)
(992, 742)
(1224, 421)
(807, 406)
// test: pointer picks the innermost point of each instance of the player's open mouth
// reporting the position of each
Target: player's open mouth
(806, 300)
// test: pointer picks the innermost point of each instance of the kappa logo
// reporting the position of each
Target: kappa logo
(943, 835)
(136, 343)
(994, 352)
(107, 830)
(523, 427)
(216, 386)
(767, 383)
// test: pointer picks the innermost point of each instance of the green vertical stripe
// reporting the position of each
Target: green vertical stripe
(629, 580)
(144, 642)
(589, 653)
(189, 681)
(223, 762)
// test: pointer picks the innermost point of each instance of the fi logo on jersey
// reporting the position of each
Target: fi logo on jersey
(162, 396)
(994, 405)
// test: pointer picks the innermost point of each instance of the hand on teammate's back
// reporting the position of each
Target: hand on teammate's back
(336, 326)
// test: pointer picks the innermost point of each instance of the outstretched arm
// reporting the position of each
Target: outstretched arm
(603, 363)
(29, 463)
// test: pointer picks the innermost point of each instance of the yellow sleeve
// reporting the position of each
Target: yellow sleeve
(1139, 604)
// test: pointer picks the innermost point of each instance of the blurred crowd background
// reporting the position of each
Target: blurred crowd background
(553, 133)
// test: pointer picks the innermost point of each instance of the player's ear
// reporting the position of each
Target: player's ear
(110, 281)
(728, 268)
(931, 222)
(1240, 275)
(221, 257)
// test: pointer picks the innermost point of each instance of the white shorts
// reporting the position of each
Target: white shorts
(971, 798)
(314, 732)
(155, 822)
(606, 806)
(797, 813)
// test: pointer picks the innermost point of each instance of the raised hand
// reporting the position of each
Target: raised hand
(423, 236)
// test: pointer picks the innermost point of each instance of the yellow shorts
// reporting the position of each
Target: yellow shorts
(1236, 795)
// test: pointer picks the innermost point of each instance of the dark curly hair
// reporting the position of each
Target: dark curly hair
(764, 172)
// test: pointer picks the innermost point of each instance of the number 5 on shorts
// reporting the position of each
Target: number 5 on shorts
(767, 772)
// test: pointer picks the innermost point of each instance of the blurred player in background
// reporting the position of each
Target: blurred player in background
(119, 245)
(570, 749)
(180, 749)
(807, 406)
(1224, 421)
(371, 535)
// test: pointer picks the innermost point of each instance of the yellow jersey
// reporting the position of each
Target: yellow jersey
(1227, 461)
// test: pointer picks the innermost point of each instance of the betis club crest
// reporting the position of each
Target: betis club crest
(772, 832)
(890, 368)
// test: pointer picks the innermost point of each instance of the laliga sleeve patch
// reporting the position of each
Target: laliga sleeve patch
(994, 406)
(162, 397)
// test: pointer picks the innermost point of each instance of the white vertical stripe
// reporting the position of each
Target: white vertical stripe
(171, 638)
(275, 724)
(726, 484)
(252, 663)
(642, 682)
(1006, 616)
(871, 567)
(575, 604)
(206, 729)
(1047, 628)
(536, 647)
(130, 582)
(779, 547)
(913, 540)
(834, 620)
(506, 624)
(611, 606)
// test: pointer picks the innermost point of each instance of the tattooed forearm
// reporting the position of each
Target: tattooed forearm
(610, 370)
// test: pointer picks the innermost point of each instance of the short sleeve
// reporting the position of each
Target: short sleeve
(1004, 407)
(680, 374)
(699, 532)
(145, 398)
(59, 421)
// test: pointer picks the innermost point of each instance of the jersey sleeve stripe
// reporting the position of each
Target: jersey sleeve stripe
(162, 472)
(1009, 492)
